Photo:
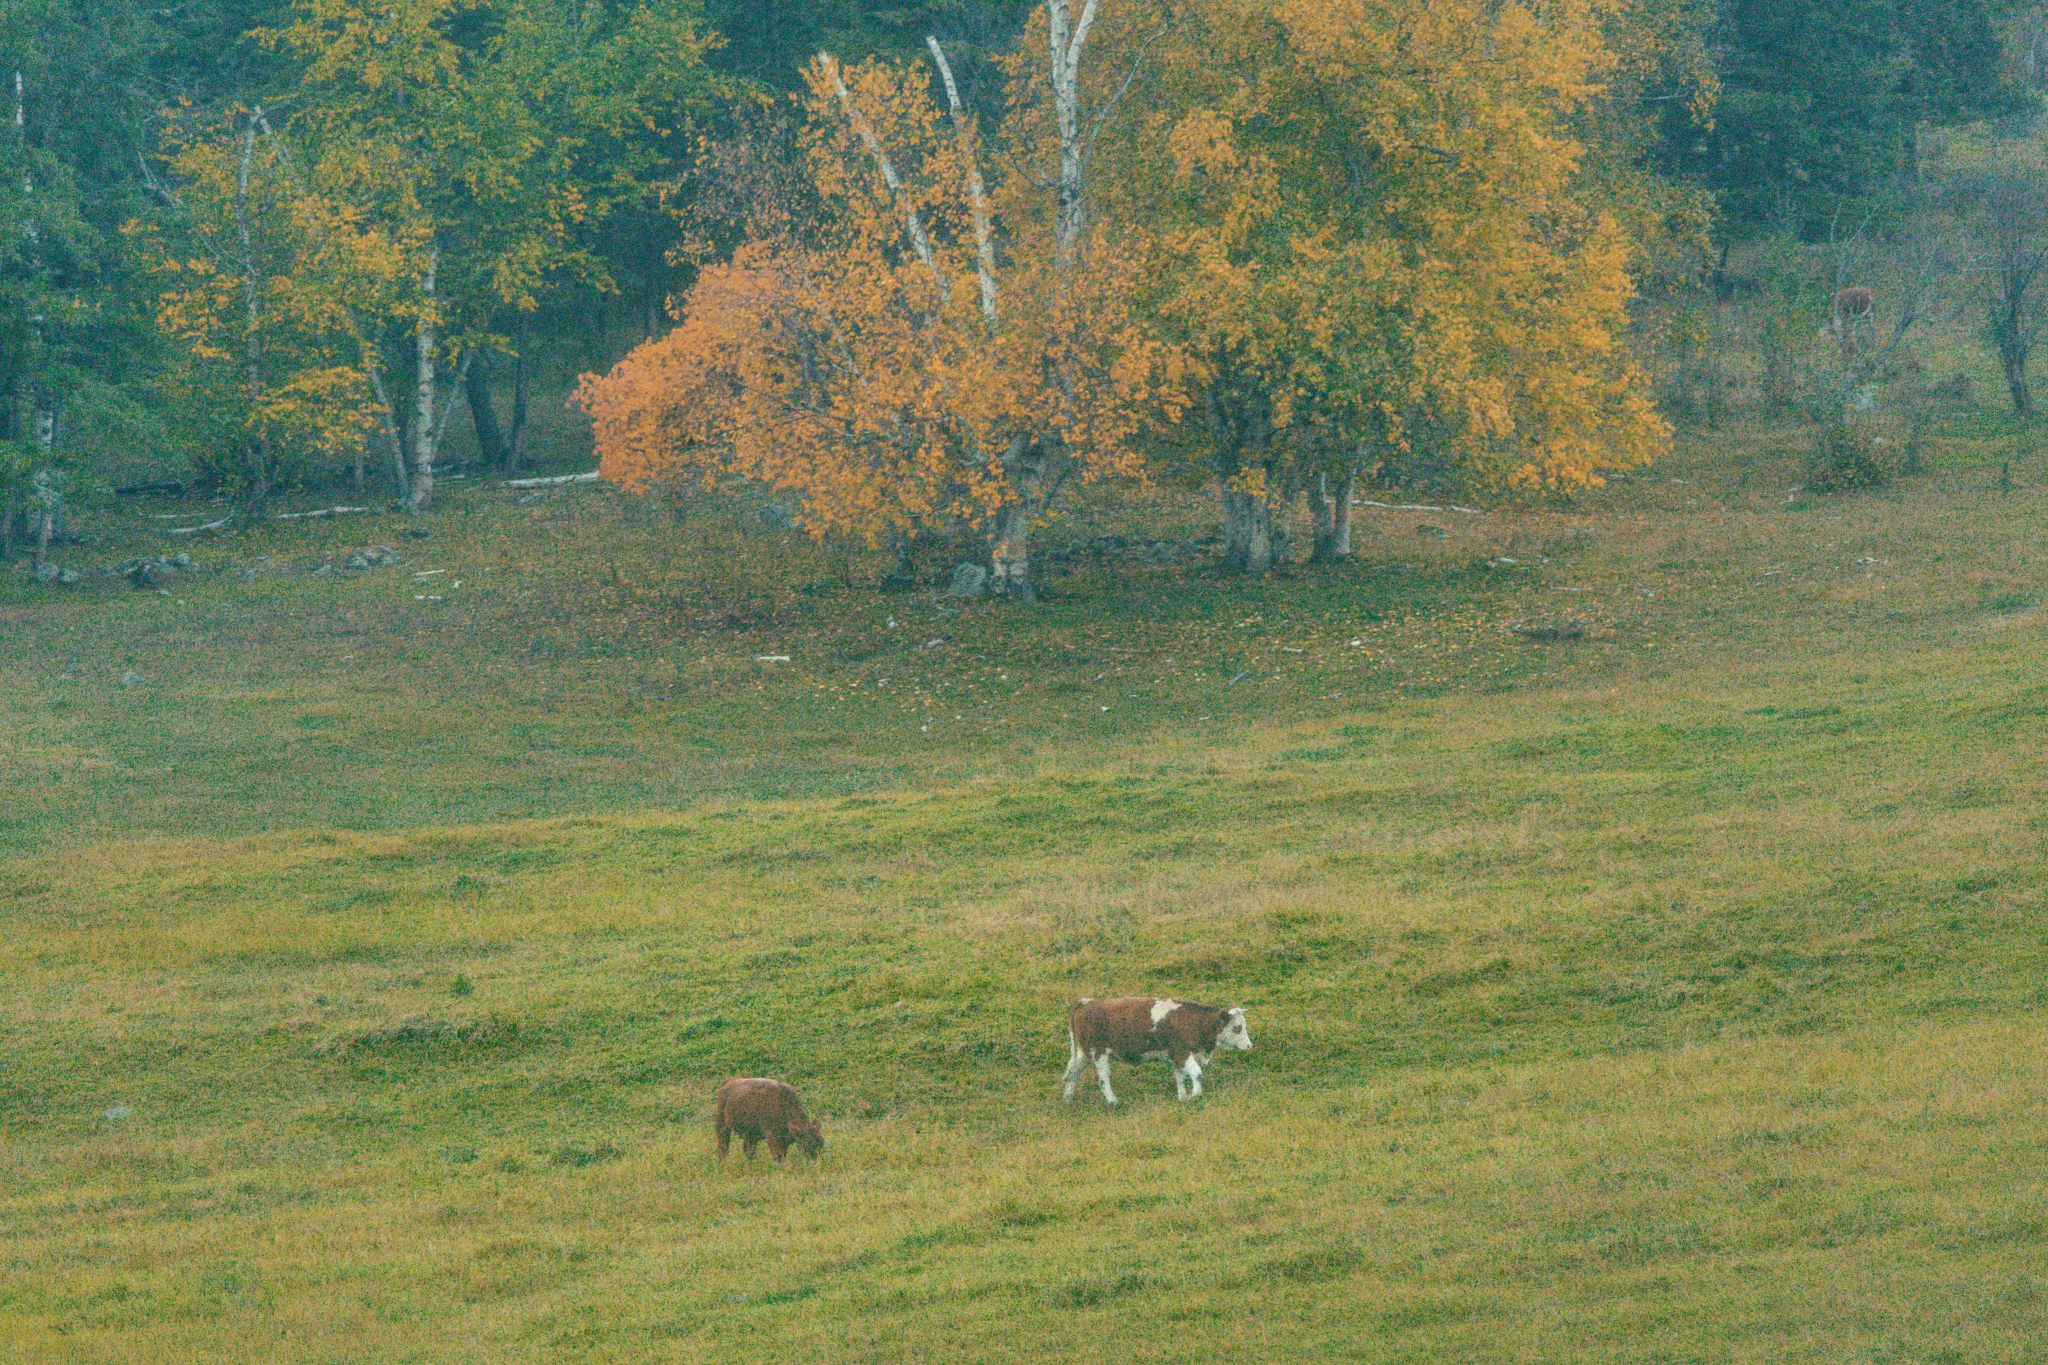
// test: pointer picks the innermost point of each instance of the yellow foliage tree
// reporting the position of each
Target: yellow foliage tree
(443, 163)
(247, 282)
(458, 152)
(933, 345)
(1389, 265)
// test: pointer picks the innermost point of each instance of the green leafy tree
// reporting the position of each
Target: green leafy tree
(1389, 265)
(477, 146)
(1821, 99)
(267, 293)
(68, 377)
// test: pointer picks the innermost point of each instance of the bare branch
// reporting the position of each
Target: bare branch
(977, 192)
(919, 238)
(1102, 115)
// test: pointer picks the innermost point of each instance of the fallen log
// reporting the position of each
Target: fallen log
(194, 530)
(1418, 507)
(322, 512)
(555, 482)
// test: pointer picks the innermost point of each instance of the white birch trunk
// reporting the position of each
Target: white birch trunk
(424, 434)
(977, 192)
(257, 453)
(920, 240)
(1333, 515)
(1072, 208)
(37, 401)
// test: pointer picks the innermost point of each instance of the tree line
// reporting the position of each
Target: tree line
(919, 269)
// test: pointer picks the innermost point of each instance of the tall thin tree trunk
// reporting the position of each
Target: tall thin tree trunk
(37, 403)
(1071, 210)
(2016, 384)
(387, 417)
(256, 450)
(423, 388)
(977, 191)
(490, 437)
(1010, 555)
(513, 447)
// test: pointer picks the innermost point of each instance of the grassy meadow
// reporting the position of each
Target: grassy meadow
(1643, 941)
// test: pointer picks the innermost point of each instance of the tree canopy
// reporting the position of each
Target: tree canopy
(974, 256)
(936, 342)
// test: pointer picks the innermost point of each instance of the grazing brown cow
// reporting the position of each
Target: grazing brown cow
(1138, 1028)
(760, 1107)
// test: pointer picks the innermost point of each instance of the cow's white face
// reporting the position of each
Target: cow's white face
(1234, 1033)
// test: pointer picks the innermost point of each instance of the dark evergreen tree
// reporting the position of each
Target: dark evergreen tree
(1820, 100)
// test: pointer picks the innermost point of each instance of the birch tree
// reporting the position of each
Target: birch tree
(47, 252)
(273, 302)
(482, 165)
(948, 340)
(1386, 266)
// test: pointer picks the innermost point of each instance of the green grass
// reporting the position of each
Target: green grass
(1670, 994)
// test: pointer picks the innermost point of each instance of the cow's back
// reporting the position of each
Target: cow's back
(754, 1101)
(1113, 1024)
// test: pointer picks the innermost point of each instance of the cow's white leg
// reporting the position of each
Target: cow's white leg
(1077, 1062)
(1102, 1074)
(1187, 1080)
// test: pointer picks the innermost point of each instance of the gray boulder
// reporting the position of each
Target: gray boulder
(969, 580)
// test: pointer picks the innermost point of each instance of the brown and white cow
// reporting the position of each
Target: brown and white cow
(1140, 1028)
(761, 1107)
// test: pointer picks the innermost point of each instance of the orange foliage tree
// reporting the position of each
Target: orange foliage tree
(1389, 265)
(922, 343)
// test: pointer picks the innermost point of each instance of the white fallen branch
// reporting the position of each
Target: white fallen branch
(322, 512)
(1417, 507)
(193, 530)
(556, 482)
